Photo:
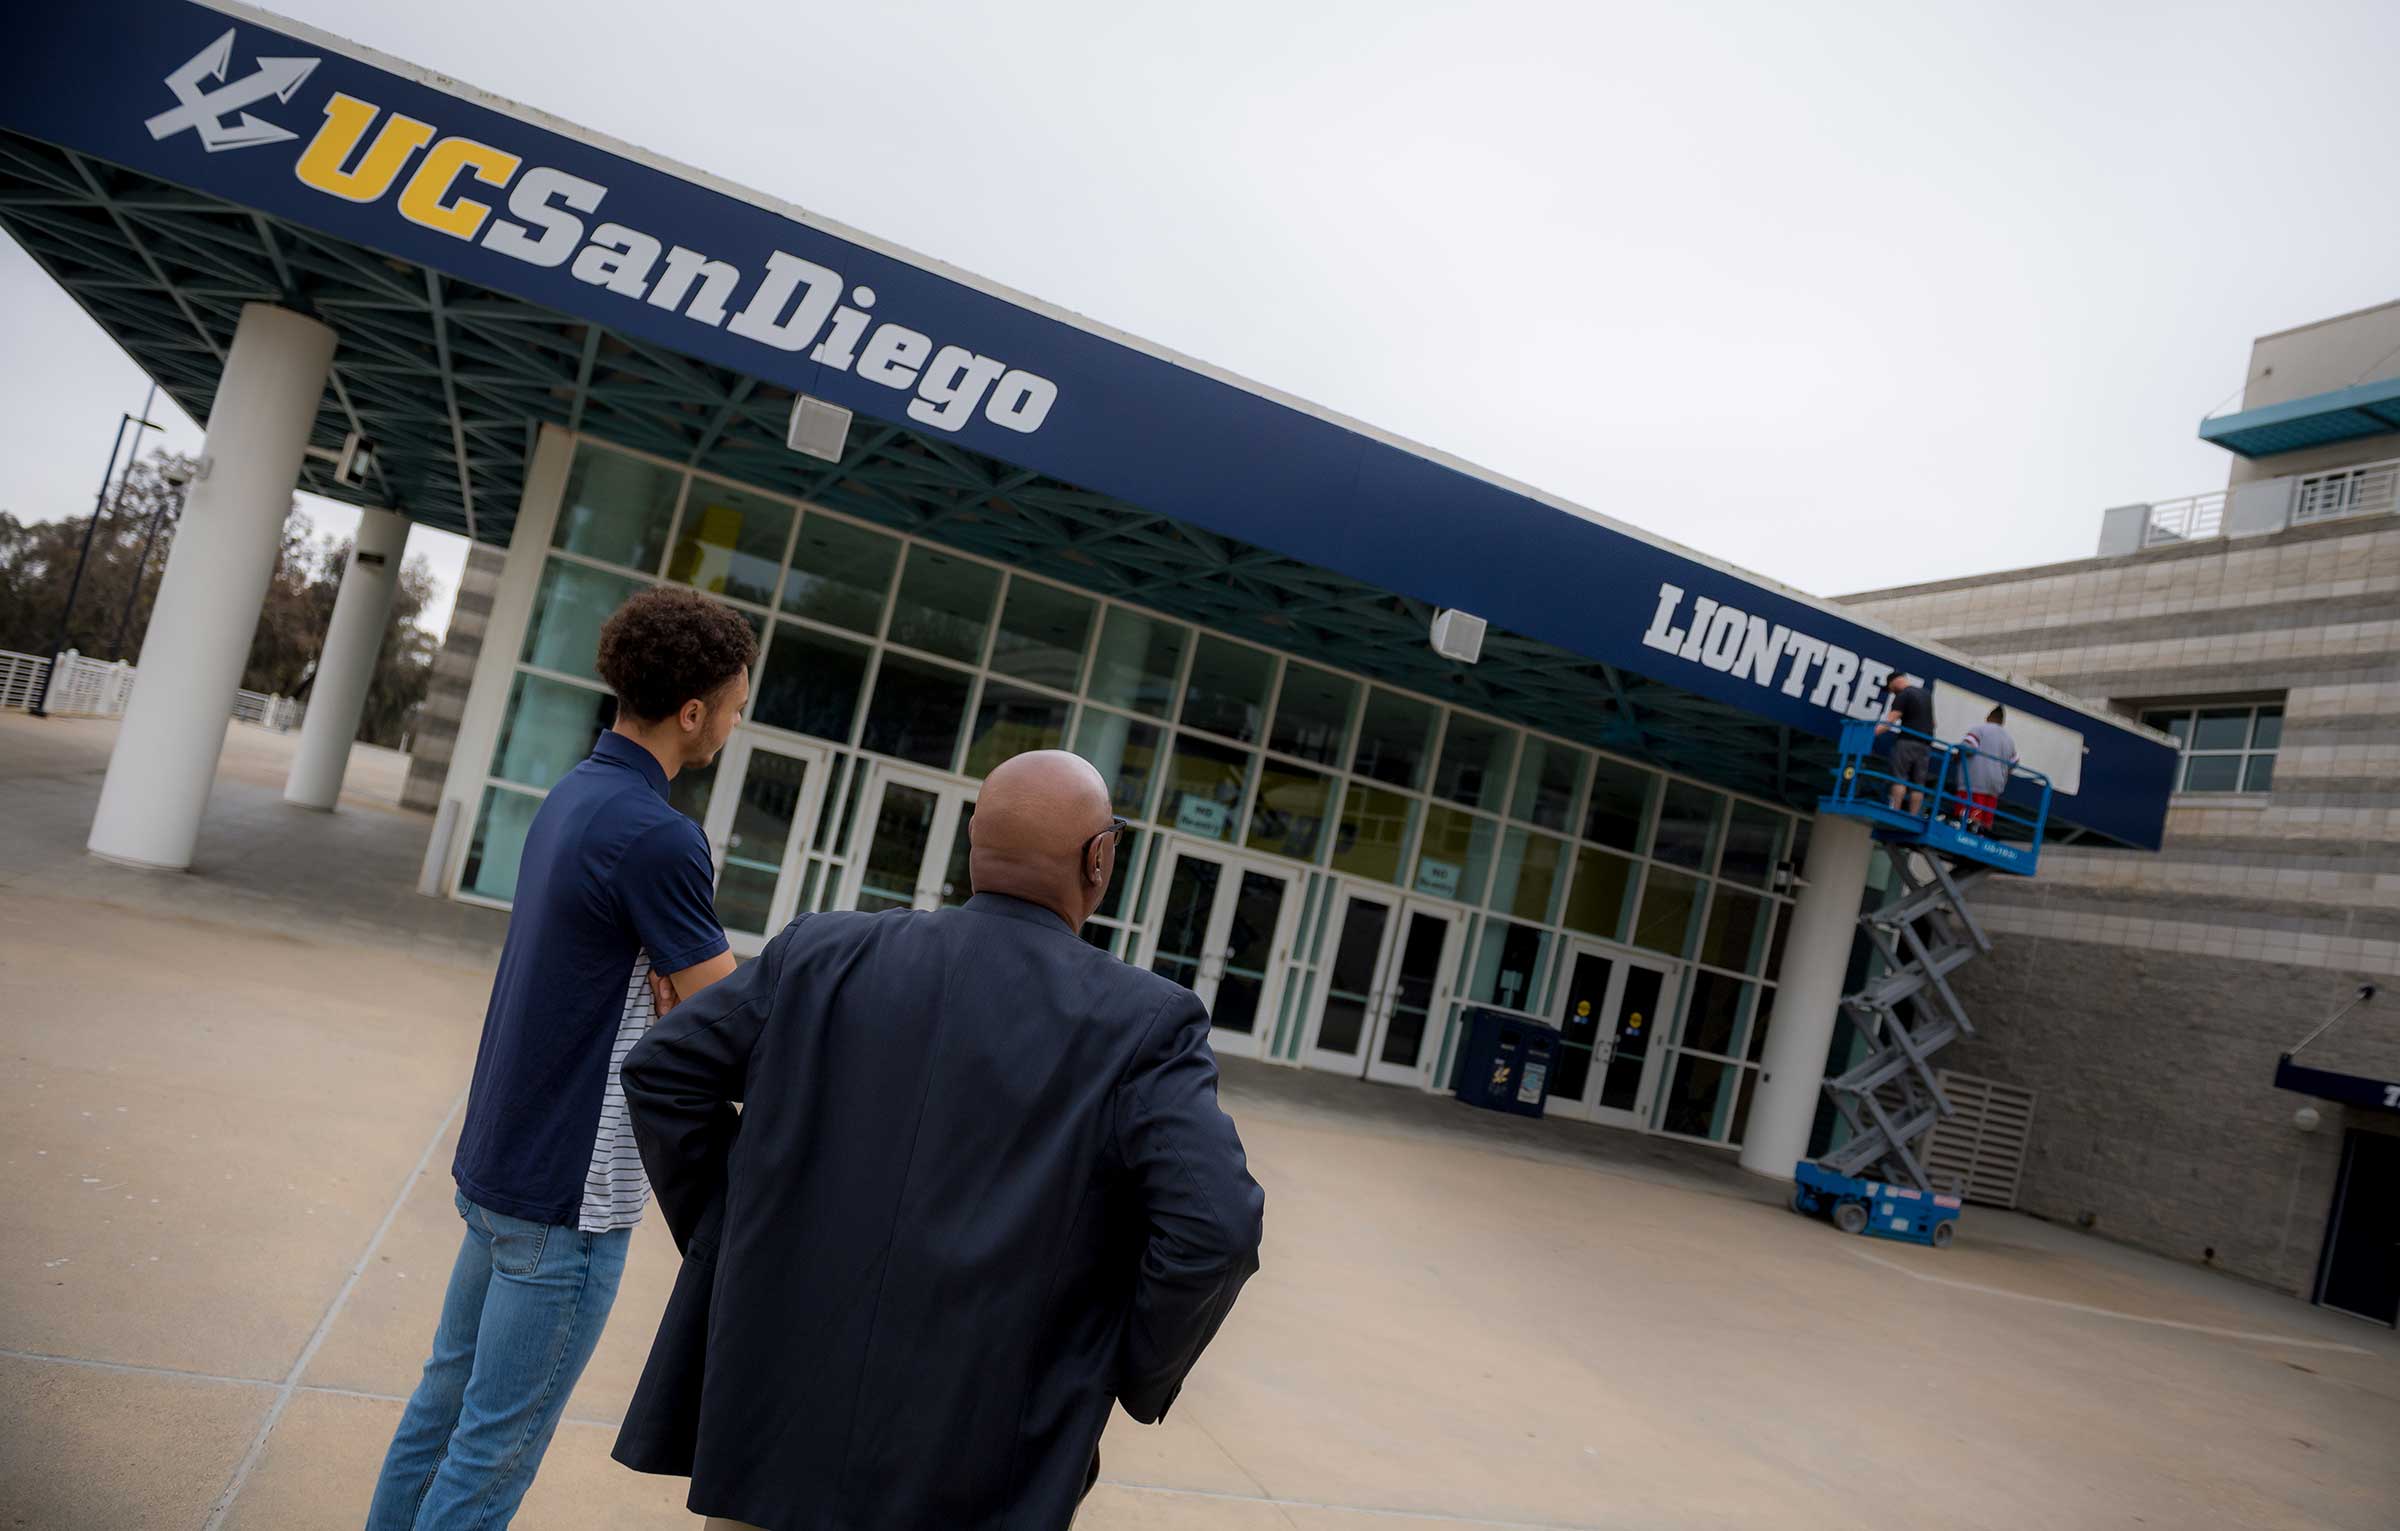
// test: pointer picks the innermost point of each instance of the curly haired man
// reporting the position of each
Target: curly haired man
(614, 921)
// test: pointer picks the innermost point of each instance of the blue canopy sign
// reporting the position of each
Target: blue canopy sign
(267, 115)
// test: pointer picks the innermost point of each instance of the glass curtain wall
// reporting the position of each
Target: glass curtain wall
(883, 647)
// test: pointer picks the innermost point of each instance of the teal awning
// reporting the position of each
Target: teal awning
(2320, 420)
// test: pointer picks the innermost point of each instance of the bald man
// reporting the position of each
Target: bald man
(979, 1189)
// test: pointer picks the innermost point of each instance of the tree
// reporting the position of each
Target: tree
(37, 561)
(299, 608)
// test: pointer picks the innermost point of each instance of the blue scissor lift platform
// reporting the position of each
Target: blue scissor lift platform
(1876, 1181)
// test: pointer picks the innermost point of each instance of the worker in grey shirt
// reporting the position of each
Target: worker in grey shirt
(1988, 768)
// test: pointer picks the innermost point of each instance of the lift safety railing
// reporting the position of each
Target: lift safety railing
(1948, 821)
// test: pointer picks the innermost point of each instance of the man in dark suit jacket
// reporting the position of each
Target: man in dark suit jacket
(979, 1188)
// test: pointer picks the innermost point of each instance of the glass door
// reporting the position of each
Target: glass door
(760, 813)
(1609, 1012)
(1224, 931)
(1384, 983)
(1361, 936)
(1425, 954)
(916, 842)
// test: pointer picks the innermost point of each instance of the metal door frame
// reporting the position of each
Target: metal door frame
(950, 794)
(1347, 894)
(1445, 990)
(724, 800)
(1172, 849)
(1622, 959)
(1383, 993)
(2348, 1166)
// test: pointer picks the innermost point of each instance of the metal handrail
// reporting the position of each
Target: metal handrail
(2190, 519)
(2333, 494)
(97, 688)
(1858, 765)
(2342, 492)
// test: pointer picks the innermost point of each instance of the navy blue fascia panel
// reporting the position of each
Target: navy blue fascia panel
(213, 101)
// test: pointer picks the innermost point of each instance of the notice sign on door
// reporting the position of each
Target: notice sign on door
(1199, 816)
(1439, 878)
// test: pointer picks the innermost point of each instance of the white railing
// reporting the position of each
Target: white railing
(20, 679)
(2186, 520)
(276, 712)
(90, 688)
(99, 688)
(2360, 491)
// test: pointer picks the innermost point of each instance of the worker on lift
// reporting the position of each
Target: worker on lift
(1995, 755)
(1912, 752)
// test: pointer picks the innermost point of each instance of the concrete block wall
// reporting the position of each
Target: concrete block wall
(2156, 1120)
(2147, 996)
(453, 668)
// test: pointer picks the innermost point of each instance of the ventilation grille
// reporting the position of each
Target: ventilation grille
(1980, 1149)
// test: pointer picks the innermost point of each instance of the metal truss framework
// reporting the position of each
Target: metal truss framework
(452, 381)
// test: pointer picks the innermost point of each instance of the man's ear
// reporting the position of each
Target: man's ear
(693, 715)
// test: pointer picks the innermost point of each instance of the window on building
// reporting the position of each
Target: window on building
(731, 542)
(2227, 747)
(618, 509)
(1042, 634)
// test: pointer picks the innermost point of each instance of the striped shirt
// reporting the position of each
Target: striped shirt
(614, 1188)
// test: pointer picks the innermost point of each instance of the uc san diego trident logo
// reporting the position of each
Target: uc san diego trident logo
(452, 184)
(206, 111)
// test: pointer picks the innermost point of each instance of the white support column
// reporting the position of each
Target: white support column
(503, 639)
(165, 759)
(346, 665)
(1791, 1073)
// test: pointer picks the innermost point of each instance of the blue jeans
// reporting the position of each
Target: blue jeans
(525, 1308)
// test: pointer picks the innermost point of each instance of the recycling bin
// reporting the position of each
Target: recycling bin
(1504, 1061)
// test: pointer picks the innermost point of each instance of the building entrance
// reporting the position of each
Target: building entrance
(916, 853)
(2361, 1269)
(760, 813)
(1610, 1009)
(1224, 931)
(1386, 982)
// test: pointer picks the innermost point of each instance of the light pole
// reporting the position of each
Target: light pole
(180, 482)
(66, 612)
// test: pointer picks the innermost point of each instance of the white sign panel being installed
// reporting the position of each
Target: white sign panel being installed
(2042, 746)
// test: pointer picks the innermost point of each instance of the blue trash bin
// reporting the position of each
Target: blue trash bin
(1504, 1061)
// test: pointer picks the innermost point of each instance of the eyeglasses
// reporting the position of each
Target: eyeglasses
(1117, 826)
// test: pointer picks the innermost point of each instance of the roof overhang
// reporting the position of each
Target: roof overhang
(530, 281)
(2320, 420)
(2360, 1090)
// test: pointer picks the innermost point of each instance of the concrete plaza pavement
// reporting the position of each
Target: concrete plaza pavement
(225, 1124)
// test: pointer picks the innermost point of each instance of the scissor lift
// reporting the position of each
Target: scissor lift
(1892, 1098)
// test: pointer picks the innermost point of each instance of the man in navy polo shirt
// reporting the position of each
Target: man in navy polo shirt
(614, 921)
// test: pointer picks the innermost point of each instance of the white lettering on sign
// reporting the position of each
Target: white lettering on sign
(363, 153)
(1750, 648)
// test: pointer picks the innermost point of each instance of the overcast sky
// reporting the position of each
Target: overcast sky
(1851, 295)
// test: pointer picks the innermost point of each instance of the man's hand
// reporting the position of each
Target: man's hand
(668, 990)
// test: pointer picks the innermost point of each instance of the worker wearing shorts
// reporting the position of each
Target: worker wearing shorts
(1912, 750)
